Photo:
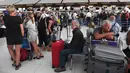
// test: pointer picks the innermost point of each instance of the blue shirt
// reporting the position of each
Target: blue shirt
(115, 27)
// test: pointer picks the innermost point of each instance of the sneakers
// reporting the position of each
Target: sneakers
(60, 69)
(17, 67)
(14, 64)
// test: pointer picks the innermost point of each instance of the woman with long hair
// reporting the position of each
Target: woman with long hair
(14, 33)
(32, 32)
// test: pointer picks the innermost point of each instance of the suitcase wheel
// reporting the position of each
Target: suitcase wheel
(70, 68)
(86, 63)
(92, 71)
(53, 66)
(29, 58)
(93, 63)
(85, 69)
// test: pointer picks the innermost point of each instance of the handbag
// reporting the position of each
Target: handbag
(25, 44)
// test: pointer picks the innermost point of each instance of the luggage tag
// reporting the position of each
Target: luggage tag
(104, 41)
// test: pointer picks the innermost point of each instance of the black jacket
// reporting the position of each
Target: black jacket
(78, 41)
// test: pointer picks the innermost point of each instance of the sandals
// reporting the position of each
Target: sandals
(17, 66)
(36, 57)
(41, 56)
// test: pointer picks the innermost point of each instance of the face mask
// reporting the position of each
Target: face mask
(112, 20)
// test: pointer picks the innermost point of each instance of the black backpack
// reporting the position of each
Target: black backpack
(81, 15)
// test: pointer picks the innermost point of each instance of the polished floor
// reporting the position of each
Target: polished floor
(38, 66)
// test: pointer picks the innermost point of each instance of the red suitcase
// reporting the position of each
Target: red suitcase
(56, 48)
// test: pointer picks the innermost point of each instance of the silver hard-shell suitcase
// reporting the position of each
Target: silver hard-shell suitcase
(106, 59)
(105, 67)
(108, 52)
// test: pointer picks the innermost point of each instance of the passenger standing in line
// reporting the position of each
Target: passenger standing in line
(114, 25)
(32, 31)
(15, 31)
(44, 29)
(124, 21)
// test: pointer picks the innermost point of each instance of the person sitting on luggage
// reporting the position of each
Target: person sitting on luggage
(114, 25)
(104, 32)
(73, 48)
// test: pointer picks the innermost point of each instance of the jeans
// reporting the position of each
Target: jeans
(64, 55)
(81, 21)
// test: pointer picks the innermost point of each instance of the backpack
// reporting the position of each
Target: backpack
(81, 15)
(123, 16)
(64, 17)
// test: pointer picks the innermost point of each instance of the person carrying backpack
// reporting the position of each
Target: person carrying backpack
(115, 26)
(124, 21)
(44, 30)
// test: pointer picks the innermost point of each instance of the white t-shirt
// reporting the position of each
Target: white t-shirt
(89, 14)
(75, 15)
(122, 38)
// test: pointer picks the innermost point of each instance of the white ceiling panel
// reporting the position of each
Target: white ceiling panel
(103, 1)
(28, 2)
(8, 2)
(75, 1)
(124, 0)
(50, 1)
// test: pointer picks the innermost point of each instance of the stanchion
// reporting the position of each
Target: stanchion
(67, 32)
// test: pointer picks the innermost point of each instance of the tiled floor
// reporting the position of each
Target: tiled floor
(37, 66)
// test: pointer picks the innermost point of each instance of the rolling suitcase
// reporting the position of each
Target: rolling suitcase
(106, 58)
(108, 50)
(28, 47)
(105, 67)
(56, 48)
(23, 54)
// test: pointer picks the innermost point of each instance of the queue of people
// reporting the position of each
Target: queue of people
(42, 25)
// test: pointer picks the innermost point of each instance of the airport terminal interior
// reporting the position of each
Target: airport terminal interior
(64, 36)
